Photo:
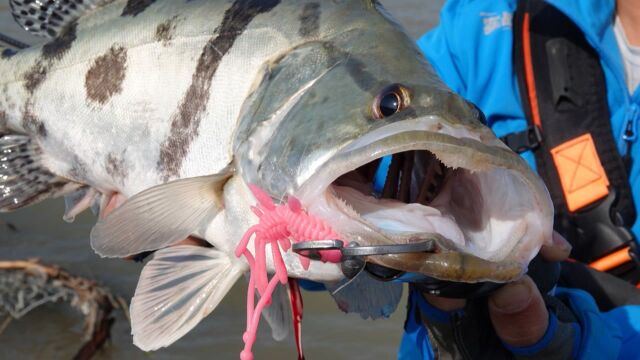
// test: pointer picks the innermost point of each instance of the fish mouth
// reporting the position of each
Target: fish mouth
(486, 212)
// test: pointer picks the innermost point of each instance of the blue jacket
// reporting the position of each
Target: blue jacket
(611, 335)
(471, 50)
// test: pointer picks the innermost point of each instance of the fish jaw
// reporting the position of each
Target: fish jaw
(488, 221)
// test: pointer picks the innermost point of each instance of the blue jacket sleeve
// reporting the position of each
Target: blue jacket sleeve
(610, 335)
(601, 334)
(471, 50)
(437, 47)
(628, 320)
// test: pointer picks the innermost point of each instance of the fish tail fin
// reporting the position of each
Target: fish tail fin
(178, 288)
(24, 180)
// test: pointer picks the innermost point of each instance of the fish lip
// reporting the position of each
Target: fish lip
(426, 133)
(446, 142)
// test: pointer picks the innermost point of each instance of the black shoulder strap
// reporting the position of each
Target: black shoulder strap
(564, 95)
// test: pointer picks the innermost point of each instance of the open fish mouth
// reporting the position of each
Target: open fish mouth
(487, 214)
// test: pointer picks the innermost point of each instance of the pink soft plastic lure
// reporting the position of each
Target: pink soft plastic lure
(278, 227)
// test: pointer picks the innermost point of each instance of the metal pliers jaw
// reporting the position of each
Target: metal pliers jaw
(354, 261)
(354, 255)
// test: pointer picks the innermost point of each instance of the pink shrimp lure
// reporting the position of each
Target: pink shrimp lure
(279, 226)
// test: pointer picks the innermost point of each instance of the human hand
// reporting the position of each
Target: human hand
(517, 310)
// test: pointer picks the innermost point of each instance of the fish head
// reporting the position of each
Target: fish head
(326, 118)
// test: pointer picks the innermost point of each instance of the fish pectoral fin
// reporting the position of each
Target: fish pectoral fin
(159, 216)
(178, 288)
(24, 180)
(366, 296)
(48, 20)
(278, 314)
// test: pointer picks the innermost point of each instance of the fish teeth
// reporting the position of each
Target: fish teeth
(348, 209)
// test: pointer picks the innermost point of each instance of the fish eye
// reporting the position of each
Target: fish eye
(390, 100)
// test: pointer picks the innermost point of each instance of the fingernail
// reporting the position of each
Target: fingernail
(511, 298)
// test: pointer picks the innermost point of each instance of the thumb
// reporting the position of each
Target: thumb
(518, 313)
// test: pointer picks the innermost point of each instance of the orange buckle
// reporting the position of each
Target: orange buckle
(613, 260)
(581, 173)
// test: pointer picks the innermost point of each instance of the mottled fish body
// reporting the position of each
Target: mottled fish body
(127, 99)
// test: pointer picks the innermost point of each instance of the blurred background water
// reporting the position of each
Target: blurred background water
(54, 331)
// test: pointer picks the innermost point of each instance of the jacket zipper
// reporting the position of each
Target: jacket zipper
(630, 133)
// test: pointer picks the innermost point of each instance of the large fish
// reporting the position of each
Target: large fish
(184, 107)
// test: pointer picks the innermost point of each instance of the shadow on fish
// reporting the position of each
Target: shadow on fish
(258, 125)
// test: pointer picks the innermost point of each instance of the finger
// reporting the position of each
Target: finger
(518, 313)
(559, 249)
(445, 304)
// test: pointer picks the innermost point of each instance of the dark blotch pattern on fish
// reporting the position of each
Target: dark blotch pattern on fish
(104, 78)
(166, 30)
(32, 80)
(52, 52)
(57, 47)
(310, 20)
(115, 167)
(32, 124)
(78, 171)
(186, 121)
(357, 69)
(361, 76)
(35, 76)
(136, 7)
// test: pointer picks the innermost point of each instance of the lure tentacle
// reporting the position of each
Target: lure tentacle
(278, 227)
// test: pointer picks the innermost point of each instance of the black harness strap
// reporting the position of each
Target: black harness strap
(564, 95)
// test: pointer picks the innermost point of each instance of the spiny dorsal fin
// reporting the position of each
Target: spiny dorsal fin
(23, 179)
(47, 17)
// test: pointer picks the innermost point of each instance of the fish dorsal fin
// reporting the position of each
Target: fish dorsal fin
(159, 216)
(178, 288)
(368, 297)
(24, 180)
(47, 18)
